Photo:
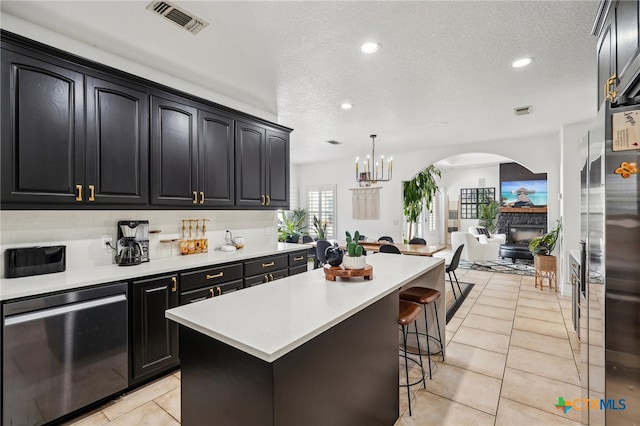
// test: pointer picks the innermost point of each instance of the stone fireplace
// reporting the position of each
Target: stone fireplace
(523, 234)
(522, 224)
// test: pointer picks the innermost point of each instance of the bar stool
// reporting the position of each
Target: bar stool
(407, 314)
(425, 296)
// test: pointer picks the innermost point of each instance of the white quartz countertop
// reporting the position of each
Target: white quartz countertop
(11, 288)
(269, 320)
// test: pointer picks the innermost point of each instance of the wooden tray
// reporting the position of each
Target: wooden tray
(331, 272)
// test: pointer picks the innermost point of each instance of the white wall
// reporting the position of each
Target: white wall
(469, 177)
(540, 154)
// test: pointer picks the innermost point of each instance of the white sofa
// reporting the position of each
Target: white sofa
(474, 250)
(483, 238)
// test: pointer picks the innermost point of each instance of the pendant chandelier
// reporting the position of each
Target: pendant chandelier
(372, 170)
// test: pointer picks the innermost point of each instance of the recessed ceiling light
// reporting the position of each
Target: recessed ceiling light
(521, 62)
(346, 105)
(371, 47)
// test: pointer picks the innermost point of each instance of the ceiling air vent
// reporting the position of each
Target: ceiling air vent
(522, 110)
(334, 142)
(178, 16)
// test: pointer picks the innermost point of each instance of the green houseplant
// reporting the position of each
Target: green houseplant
(544, 244)
(354, 258)
(488, 215)
(292, 225)
(417, 192)
(320, 227)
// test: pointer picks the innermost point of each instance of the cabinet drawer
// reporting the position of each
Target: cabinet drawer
(297, 270)
(209, 291)
(265, 278)
(210, 276)
(265, 265)
(298, 258)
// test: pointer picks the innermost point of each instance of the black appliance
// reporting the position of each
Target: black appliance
(63, 352)
(26, 261)
(133, 242)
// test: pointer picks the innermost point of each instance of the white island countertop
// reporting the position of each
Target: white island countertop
(12, 288)
(269, 320)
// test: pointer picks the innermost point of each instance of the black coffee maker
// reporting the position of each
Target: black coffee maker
(130, 250)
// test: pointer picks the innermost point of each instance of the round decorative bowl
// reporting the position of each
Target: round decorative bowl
(354, 262)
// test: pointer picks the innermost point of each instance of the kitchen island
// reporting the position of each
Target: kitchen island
(301, 350)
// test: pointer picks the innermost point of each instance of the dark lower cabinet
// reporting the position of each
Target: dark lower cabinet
(154, 338)
(42, 130)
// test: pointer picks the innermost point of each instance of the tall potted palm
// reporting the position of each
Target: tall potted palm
(417, 192)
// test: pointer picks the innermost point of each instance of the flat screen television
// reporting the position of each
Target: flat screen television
(520, 187)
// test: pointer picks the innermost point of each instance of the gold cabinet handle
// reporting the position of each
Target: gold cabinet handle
(609, 94)
(218, 275)
(92, 193)
(268, 200)
(296, 259)
(78, 192)
(219, 291)
(174, 287)
(265, 279)
(266, 265)
(212, 293)
(195, 197)
(201, 197)
(271, 277)
(262, 202)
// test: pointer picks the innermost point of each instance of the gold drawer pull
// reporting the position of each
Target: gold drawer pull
(218, 275)
(219, 291)
(266, 279)
(195, 197)
(262, 200)
(266, 265)
(92, 193)
(296, 259)
(268, 200)
(212, 293)
(78, 192)
(271, 277)
(174, 287)
(201, 197)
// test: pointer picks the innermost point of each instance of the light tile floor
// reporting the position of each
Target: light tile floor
(508, 359)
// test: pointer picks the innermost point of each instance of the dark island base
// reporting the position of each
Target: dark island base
(348, 375)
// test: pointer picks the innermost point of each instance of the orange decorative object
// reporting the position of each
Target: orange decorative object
(331, 272)
(627, 169)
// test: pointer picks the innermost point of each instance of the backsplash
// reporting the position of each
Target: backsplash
(82, 231)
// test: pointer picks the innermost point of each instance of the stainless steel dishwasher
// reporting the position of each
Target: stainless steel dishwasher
(62, 352)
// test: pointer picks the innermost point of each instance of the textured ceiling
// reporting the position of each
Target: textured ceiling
(440, 62)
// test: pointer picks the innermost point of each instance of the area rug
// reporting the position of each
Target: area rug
(505, 266)
(452, 303)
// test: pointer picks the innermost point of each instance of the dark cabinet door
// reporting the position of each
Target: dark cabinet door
(42, 121)
(277, 169)
(155, 338)
(173, 153)
(117, 143)
(605, 51)
(250, 174)
(216, 160)
(627, 54)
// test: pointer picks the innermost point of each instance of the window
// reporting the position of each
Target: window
(321, 202)
(471, 198)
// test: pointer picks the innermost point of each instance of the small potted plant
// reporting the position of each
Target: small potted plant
(354, 258)
(544, 244)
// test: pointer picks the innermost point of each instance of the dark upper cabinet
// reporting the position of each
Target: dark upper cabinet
(117, 143)
(262, 167)
(54, 153)
(192, 155)
(42, 131)
(215, 159)
(618, 50)
(154, 338)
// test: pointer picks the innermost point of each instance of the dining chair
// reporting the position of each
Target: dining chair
(417, 240)
(385, 238)
(321, 247)
(389, 248)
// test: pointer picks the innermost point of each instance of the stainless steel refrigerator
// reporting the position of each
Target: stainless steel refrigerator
(609, 306)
